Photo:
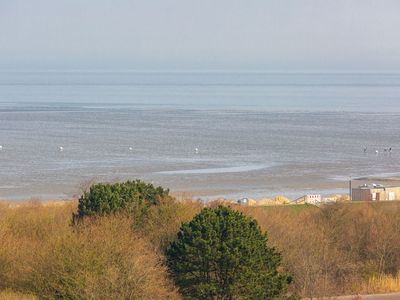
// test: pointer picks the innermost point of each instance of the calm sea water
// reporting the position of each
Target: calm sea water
(257, 134)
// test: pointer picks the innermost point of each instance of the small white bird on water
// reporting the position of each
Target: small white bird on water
(1, 147)
(196, 150)
(130, 149)
(61, 149)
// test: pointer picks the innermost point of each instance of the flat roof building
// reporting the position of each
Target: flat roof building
(375, 192)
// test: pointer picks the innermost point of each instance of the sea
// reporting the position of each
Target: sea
(202, 134)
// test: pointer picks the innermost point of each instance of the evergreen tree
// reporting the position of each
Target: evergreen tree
(222, 254)
(106, 198)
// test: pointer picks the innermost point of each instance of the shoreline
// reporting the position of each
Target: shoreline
(205, 191)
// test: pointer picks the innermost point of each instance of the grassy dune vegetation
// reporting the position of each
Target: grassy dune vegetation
(336, 249)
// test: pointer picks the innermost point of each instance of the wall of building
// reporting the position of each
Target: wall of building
(358, 194)
(395, 195)
(388, 194)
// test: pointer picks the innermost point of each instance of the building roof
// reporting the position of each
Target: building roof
(371, 186)
(374, 186)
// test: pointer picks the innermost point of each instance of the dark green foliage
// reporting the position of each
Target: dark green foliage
(222, 254)
(105, 198)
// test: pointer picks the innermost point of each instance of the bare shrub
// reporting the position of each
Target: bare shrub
(332, 250)
(335, 249)
(163, 221)
(103, 258)
(10, 295)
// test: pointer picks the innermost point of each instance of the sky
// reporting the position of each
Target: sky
(207, 34)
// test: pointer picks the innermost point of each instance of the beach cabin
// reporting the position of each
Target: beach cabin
(313, 199)
(243, 201)
(375, 192)
(308, 199)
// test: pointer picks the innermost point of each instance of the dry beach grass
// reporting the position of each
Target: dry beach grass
(333, 250)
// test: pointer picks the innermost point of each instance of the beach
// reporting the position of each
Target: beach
(256, 134)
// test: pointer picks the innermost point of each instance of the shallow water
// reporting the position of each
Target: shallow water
(258, 134)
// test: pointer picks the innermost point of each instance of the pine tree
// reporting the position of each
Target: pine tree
(222, 254)
(106, 198)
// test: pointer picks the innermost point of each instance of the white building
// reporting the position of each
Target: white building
(309, 199)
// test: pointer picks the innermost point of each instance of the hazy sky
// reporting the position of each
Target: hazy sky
(200, 34)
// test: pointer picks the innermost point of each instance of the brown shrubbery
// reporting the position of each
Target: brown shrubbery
(42, 254)
(336, 249)
(162, 222)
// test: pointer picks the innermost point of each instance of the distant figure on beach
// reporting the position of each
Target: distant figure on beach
(376, 152)
(196, 150)
(1, 147)
(365, 149)
(388, 150)
(130, 149)
(61, 149)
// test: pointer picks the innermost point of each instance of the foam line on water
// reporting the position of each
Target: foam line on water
(363, 177)
(236, 169)
(9, 186)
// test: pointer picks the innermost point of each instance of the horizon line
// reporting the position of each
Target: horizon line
(200, 70)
